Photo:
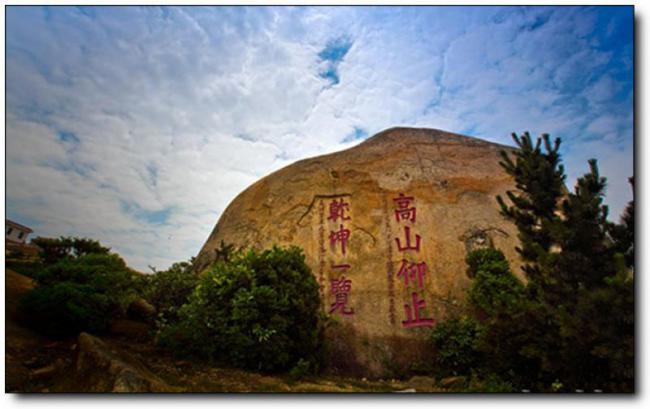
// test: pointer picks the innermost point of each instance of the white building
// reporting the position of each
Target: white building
(15, 232)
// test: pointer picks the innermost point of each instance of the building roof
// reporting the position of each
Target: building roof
(18, 226)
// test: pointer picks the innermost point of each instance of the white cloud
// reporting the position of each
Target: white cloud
(176, 110)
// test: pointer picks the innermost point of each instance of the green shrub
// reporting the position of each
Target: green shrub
(68, 308)
(26, 268)
(484, 258)
(298, 372)
(53, 250)
(105, 273)
(495, 289)
(576, 327)
(455, 342)
(504, 342)
(602, 349)
(168, 290)
(83, 293)
(258, 311)
(490, 383)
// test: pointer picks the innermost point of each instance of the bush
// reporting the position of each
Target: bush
(105, 273)
(482, 259)
(53, 250)
(68, 308)
(169, 290)
(579, 270)
(301, 370)
(83, 293)
(505, 340)
(258, 310)
(490, 383)
(455, 341)
(601, 355)
(495, 290)
(26, 268)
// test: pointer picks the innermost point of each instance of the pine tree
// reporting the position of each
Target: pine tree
(539, 178)
(623, 234)
(532, 349)
(586, 255)
(570, 251)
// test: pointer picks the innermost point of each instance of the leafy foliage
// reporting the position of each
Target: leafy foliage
(68, 308)
(29, 269)
(491, 383)
(258, 310)
(623, 234)
(575, 282)
(495, 289)
(539, 178)
(170, 289)
(598, 337)
(571, 326)
(456, 346)
(53, 250)
(299, 371)
(80, 289)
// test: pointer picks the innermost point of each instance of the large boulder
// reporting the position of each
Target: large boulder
(385, 226)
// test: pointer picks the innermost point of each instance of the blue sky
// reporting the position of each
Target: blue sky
(137, 126)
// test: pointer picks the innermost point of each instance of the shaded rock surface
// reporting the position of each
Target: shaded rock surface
(104, 369)
(141, 310)
(452, 180)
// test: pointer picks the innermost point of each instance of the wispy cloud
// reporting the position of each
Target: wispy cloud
(138, 126)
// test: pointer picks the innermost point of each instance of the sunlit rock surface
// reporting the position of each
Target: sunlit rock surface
(385, 227)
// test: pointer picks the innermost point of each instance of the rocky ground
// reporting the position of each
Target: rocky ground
(126, 361)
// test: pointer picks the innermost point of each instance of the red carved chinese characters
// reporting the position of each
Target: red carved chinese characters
(413, 313)
(340, 286)
(407, 240)
(389, 265)
(341, 235)
(321, 250)
(338, 209)
(403, 211)
(413, 273)
(341, 289)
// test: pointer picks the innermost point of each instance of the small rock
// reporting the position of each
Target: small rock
(183, 364)
(45, 390)
(73, 347)
(452, 381)
(410, 390)
(364, 379)
(44, 372)
(422, 382)
(33, 362)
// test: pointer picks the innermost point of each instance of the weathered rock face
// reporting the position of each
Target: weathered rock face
(100, 368)
(385, 227)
